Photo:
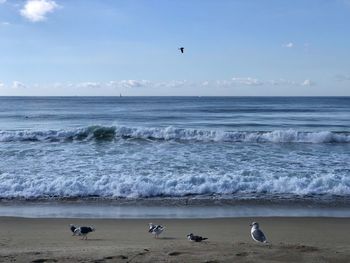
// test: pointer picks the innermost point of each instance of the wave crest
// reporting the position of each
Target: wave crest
(172, 133)
(112, 186)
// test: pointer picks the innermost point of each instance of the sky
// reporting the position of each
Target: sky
(232, 47)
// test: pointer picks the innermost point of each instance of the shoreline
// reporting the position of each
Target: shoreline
(112, 210)
(292, 239)
(169, 208)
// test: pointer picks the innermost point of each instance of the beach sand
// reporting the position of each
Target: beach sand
(127, 240)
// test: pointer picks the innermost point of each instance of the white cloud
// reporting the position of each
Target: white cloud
(282, 82)
(133, 83)
(36, 10)
(18, 85)
(246, 81)
(89, 85)
(2, 1)
(307, 82)
(2, 85)
(289, 45)
(173, 85)
(111, 84)
(4, 23)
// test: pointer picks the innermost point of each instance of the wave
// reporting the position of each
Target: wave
(106, 133)
(140, 186)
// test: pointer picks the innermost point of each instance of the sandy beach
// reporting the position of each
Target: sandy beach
(127, 240)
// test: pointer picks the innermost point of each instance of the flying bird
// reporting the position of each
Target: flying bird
(194, 238)
(257, 234)
(155, 230)
(83, 231)
(182, 49)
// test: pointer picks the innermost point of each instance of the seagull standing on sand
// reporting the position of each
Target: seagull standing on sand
(182, 49)
(83, 231)
(155, 230)
(257, 234)
(194, 238)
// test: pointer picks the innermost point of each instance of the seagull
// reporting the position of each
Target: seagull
(195, 238)
(156, 230)
(72, 228)
(83, 231)
(182, 49)
(257, 234)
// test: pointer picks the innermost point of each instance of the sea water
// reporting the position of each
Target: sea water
(234, 148)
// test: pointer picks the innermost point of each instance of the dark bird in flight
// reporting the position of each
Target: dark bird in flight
(182, 49)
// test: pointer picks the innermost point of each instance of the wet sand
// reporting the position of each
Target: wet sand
(127, 240)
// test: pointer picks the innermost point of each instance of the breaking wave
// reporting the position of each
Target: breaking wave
(171, 133)
(113, 186)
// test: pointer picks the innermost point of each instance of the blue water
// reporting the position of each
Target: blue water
(137, 147)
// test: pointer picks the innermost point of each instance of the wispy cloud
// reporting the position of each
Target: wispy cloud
(342, 77)
(37, 10)
(4, 23)
(18, 85)
(307, 82)
(89, 85)
(123, 85)
(133, 83)
(288, 45)
(248, 81)
(2, 1)
(282, 82)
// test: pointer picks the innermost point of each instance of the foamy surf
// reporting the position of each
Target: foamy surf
(157, 185)
(176, 134)
(235, 148)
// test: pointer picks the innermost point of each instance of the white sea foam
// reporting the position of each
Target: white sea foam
(171, 133)
(139, 186)
(128, 165)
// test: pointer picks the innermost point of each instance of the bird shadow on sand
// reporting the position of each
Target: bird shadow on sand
(44, 260)
(300, 247)
(93, 239)
(167, 238)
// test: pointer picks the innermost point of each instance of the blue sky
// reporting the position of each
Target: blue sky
(232, 47)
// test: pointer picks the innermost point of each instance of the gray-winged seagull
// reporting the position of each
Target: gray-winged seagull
(156, 230)
(257, 234)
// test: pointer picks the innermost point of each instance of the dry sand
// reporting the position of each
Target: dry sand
(127, 240)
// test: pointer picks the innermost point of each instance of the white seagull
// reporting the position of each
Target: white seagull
(156, 230)
(257, 234)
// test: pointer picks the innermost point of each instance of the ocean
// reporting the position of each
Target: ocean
(165, 148)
